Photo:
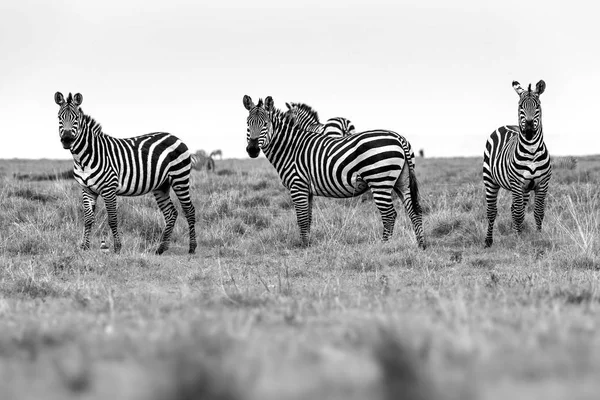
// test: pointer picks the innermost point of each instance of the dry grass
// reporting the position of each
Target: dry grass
(256, 316)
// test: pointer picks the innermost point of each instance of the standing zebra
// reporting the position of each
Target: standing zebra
(516, 159)
(107, 166)
(312, 164)
(308, 119)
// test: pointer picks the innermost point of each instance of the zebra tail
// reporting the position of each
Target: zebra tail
(413, 185)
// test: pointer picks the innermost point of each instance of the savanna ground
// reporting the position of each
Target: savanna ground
(253, 315)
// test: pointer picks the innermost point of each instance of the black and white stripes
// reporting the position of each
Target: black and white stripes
(313, 164)
(516, 159)
(107, 166)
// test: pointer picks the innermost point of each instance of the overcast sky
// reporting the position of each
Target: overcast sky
(439, 72)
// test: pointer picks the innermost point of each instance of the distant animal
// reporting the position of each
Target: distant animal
(421, 153)
(201, 161)
(110, 167)
(568, 162)
(516, 159)
(307, 118)
(215, 153)
(313, 164)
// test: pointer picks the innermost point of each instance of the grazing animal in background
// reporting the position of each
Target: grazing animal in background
(215, 153)
(567, 162)
(201, 161)
(308, 119)
(516, 159)
(110, 167)
(312, 164)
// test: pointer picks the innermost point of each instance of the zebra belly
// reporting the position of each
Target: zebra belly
(354, 187)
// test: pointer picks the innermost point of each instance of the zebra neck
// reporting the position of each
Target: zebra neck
(88, 140)
(282, 147)
(529, 148)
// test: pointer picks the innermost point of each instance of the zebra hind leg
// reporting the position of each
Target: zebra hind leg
(406, 188)
(183, 194)
(169, 212)
(383, 201)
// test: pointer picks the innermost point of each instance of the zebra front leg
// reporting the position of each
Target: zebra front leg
(89, 208)
(517, 209)
(110, 200)
(302, 205)
(491, 198)
(540, 204)
(383, 201)
(169, 212)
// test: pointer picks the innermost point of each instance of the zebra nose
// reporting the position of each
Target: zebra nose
(252, 149)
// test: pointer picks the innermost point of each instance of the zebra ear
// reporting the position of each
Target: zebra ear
(77, 99)
(59, 98)
(540, 87)
(288, 106)
(269, 104)
(248, 103)
(517, 86)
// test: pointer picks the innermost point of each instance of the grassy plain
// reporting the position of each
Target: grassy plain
(253, 315)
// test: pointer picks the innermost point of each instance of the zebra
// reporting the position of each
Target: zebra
(516, 159)
(308, 119)
(106, 166)
(566, 162)
(201, 161)
(312, 164)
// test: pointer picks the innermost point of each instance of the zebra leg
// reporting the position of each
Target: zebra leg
(517, 209)
(169, 212)
(110, 200)
(383, 201)
(303, 206)
(310, 204)
(403, 190)
(491, 198)
(540, 203)
(89, 209)
(183, 194)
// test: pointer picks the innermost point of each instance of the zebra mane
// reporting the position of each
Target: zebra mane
(91, 123)
(307, 109)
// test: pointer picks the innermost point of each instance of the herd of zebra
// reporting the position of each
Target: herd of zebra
(312, 159)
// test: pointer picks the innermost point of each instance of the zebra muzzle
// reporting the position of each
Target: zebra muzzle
(252, 149)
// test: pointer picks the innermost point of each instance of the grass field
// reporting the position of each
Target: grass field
(253, 315)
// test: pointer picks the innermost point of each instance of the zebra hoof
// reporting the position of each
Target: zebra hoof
(488, 242)
(422, 246)
(84, 246)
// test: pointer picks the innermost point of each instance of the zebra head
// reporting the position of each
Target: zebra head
(530, 108)
(260, 126)
(304, 117)
(69, 117)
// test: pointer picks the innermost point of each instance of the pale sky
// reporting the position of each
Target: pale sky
(438, 72)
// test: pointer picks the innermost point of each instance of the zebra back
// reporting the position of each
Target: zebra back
(307, 118)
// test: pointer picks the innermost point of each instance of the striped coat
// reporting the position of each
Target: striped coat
(312, 164)
(110, 167)
(516, 159)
